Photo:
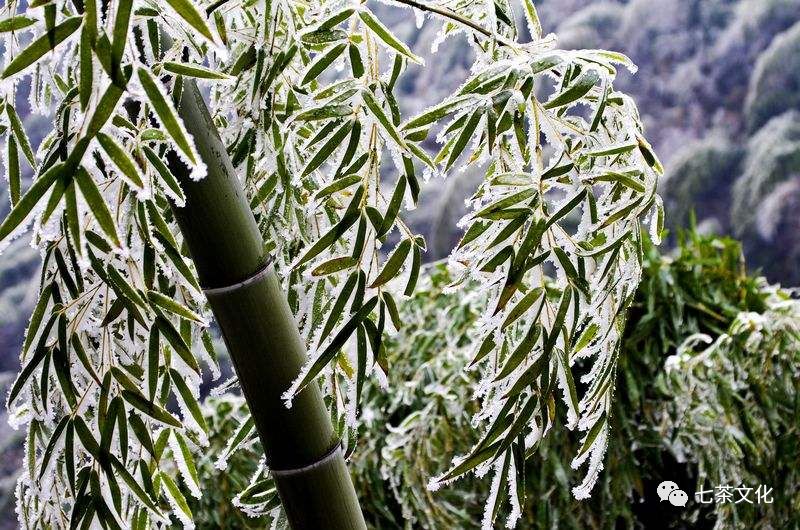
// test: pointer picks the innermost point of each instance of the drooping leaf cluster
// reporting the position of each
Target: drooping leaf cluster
(302, 95)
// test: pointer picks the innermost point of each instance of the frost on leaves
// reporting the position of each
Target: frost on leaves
(554, 237)
(303, 95)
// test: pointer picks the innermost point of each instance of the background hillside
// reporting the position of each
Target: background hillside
(719, 90)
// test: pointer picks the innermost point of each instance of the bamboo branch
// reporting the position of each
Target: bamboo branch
(455, 17)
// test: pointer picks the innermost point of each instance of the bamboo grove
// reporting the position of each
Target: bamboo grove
(303, 95)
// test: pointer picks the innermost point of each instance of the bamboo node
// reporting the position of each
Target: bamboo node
(260, 273)
(335, 452)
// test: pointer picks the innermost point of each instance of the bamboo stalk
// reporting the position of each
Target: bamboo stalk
(261, 334)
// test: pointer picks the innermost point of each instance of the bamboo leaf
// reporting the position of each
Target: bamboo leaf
(123, 288)
(14, 173)
(572, 393)
(521, 352)
(334, 265)
(338, 341)
(325, 112)
(120, 32)
(393, 264)
(73, 222)
(176, 498)
(376, 110)
(19, 133)
(42, 45)
(264, 191)
(552, 336)
(356, 63)
(242, 433)
(438, 112)
(189, 13)
(321, 63)
(523, 305)
(394, 207)
(330, 237)
(467, 132)
(416, 264)
(176, 341)
(386, 36)
(194, 70)
(27, 370)
(625, 180)
(62, 368)
(167, 178)
(137, 490)
(121, 159)
(532, 17)
(567, 208)
(151, 409)
(165, 111)
(624, 147)
(328, 148)
(506, 202)
(612, 245)
(323, 36)
(188, 399)
(171, 305)
(16, 23)
(25, 206)
(80, 353)
(177, 260)
(86, 78)
(142, 433)
(186, 464)
(37, 316)
(575, 90)
(153, 361)
(97, 204)
(591, 436)
(470, 462)
(339, 304)
(336, 19)
(649, 155)
(338, 185)
(104, 109)
(51, 445)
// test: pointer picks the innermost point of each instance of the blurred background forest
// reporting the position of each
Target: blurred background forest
(719, 91)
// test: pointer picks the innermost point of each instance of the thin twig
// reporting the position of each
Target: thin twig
(464, 21)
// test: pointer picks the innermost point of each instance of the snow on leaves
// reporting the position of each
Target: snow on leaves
(303, 95)
(554, 235)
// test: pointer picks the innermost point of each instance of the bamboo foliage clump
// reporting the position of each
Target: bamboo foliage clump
(303, 94)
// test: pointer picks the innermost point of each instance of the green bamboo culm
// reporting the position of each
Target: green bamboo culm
(263, 340)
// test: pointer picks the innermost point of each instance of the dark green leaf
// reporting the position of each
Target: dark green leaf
(383, 33)
(121, 159)
(575, 90)
(188, 12)
(393, 264)
(42, 45)
(97, 204)
(151, 409)
(22, 210)
(176, 341)
(165, 111)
